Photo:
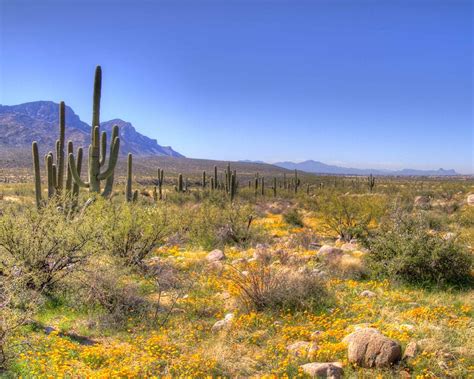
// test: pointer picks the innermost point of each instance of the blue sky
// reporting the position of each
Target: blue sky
(357, 83)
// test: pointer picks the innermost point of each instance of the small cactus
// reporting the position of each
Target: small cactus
(180, 186)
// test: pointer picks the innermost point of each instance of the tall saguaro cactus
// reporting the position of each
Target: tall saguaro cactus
(371, 182)
(54, 171)
(98, 149)
(160, 183)
(130, 195)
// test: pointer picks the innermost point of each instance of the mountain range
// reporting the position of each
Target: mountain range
(22, 124)
(322, 168)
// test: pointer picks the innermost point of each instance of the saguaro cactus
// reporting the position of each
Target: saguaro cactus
(159, 182)
(180, 186)
(130, 195)
(98, 149)
(215, 178)
(371, 182)
(274, 187)
(297, 181)
(204, 179)
(54, 171)
(233, 186)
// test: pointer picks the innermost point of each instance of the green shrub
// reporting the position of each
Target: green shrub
(349, 216)
(131, 232)
(44, 245)
(293, 217)
(405, 249)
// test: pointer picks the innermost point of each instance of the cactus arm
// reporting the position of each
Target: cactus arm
(55, 176)
(75, 187)
(103, 148)
(109, 182)
(60, 147)
(49, 171)
(70, 150)
(128, 186)
(36, 165)
(75, 174)
(112, 161)
(96, 99)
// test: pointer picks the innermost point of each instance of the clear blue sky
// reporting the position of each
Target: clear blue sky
(359, 83)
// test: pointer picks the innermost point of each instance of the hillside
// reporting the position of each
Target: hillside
(22, 124)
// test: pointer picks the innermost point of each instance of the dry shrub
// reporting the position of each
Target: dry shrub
(268, 286)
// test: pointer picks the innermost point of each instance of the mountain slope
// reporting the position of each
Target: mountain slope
(322, 168)
(22, 124)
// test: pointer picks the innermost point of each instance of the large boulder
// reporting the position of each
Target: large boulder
(330, 253)
(215, 255)
(332, 370)
(470, 200)
(422, 201)
(368, 347)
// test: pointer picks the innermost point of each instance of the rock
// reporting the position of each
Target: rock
(367, 293)
(239, 261)
(470, 200)
(407, 326)
(405, 374)
(410, 350)
(222, 324)
(368, 347)
(349, 247)
(449, 235)
(422, 201)
(330, 253)
(331, 370)
(215, 255)
(299, 348)
(316, 335)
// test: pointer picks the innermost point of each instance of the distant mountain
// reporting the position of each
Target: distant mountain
(22, 124)
(322, 168)
(250, 161)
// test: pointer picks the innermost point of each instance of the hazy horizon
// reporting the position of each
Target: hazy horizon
(383, 84)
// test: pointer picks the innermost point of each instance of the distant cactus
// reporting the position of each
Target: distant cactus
(180, 186)
(159, 183)
(297, 181)
(215, 178)
(212, 183)
(130, 195)
(203, 183)
(371, 182)
(274, 187)
(97, 149)
(233, 186)
(263, 186)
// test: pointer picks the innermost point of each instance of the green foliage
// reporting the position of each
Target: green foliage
(405, 249)
(43, 245)
(131, 232)
(349, 216)
(293, 217)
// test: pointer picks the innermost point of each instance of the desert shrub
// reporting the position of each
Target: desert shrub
(131, 232)
(293, 217)
(44, 245)
(18, 304)
(466, 216)
(218, 223)
(262, 285)
(405, 249)
(108, 288)
(350, 216)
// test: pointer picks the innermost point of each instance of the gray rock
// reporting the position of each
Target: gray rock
(368, 347)
(368, 293)
(330, 253)
(470, 200)
(332, 370)
(215, 255)
(410, 350)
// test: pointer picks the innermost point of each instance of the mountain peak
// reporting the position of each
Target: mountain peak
(22, 124)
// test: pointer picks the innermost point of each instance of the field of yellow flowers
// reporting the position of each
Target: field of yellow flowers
(255, 343)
